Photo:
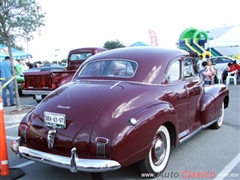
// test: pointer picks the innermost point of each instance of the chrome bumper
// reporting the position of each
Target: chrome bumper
(73, 163)
(34, 92)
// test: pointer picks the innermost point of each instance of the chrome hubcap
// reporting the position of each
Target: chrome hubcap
(159, 149)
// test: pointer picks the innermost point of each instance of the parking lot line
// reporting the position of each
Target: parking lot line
(11, 138)
(24, 164)
(228, 168)
(12, 126)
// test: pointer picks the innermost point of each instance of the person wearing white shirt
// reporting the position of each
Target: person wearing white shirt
(199, 63)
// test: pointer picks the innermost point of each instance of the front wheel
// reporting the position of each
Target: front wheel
(159, 153)
(219, 121)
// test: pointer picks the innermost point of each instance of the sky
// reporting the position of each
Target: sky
(83, 23)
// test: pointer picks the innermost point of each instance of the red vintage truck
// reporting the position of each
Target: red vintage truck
(40, 84)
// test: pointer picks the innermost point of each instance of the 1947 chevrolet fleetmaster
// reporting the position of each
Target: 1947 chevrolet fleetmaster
(122, 106)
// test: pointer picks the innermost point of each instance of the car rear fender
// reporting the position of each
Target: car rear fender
(132, 142)
(211, 102)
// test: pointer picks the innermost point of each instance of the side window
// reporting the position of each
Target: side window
(174, 72)
(189, 68)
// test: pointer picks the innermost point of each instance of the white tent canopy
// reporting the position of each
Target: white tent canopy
(230, 39)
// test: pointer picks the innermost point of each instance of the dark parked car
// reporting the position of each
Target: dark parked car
(20, 79)
(38, 73)
(122, 106)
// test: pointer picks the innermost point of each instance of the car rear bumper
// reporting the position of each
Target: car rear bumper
(73, 163)
(34, 92)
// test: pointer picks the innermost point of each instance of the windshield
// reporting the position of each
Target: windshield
(119, 68)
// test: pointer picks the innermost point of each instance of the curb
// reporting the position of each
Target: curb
(16, 117)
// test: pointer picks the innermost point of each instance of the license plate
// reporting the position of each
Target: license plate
(55, 120)
(38, 97)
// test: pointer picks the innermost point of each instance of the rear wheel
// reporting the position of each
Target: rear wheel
(219, 122)
(159, 154)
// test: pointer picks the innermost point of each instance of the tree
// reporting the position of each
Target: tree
(113, 45)
(64, 61)
(19, 19)
(20, 48)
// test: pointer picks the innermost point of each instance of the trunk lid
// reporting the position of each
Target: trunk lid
(81, 105)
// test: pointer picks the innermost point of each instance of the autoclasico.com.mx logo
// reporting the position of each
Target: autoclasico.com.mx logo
(185, 174)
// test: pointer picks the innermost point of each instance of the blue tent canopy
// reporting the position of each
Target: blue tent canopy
(138, 43)
(16, 53)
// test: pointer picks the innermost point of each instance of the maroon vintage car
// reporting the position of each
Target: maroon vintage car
(122, 106)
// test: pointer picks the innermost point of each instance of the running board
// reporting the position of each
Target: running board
(196, 131)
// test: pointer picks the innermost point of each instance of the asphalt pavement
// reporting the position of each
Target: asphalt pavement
(11, 115)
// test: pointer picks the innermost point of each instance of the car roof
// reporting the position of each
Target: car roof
(150, 60)
(142, 54)
(86, 49)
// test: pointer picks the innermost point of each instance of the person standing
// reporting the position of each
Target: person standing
(213, 70)
(199, 63)
(18, 67)
(207, 73)
(30, 65)
(6, 73)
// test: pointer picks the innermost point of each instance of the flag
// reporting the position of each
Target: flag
(153, 37)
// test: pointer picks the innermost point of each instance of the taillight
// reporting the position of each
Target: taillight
(23, 132)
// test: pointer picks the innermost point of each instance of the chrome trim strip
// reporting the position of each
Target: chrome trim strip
(116, 84)
(209, 124)
(72, 163)
(190, 135)
(196, 131)
(34, 92)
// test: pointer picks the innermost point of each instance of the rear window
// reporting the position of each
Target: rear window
(110, 68)
(80, 56)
